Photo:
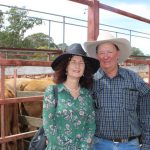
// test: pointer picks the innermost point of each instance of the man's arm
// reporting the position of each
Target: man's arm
(144, 118)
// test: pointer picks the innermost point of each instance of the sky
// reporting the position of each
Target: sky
(76, 10)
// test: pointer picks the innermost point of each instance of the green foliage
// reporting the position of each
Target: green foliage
(40, 56)
(136, 52)
(63, 46)
(13, 26)
(40, 40)
(1, 20)
(18, 24)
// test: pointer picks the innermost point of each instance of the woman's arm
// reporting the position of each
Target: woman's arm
(49, 114)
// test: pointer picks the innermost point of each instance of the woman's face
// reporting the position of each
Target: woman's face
(76, 67)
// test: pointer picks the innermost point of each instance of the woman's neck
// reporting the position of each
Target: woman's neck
(72, 84)
(73, 87)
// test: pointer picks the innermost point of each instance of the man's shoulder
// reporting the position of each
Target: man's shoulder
(127, 71)
(130, 75)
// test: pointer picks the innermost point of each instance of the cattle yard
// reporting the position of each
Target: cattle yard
(22, 94)
(21, 102)
(21, 97)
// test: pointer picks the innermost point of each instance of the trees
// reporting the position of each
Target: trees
(38, 40)
(12, 32)
(136, 52)
(1, 20)
(13, 26)
(63, 46)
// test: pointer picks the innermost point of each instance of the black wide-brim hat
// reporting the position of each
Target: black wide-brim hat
(76, 49)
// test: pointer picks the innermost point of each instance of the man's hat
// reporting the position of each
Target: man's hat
(76, 49)
(123, 45)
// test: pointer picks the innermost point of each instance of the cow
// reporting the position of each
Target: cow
(20, 82)
(11, 121)
(37, 84)
(34, 109)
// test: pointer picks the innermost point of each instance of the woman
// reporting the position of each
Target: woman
(71, 124)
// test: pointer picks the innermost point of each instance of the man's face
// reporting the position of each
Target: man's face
(108, 56)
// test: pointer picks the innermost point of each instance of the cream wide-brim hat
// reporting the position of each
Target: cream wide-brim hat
(123, 45)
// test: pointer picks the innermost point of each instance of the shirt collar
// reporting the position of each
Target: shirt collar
(121, 72)
(100, 73)
(60, 87)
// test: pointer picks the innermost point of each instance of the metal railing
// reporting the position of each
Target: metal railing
(68, 30)
(64, 23)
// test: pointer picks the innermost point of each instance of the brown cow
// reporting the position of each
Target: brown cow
(12, 125)
(37, 84)
(11, 121)
(34, 109)
(20, 82)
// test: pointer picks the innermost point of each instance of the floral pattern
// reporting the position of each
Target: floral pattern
(71, 125)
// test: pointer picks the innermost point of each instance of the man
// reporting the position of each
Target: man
(122, 98)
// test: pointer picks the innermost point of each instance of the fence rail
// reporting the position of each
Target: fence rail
(65, 23)
(4, 62)
(53, 23)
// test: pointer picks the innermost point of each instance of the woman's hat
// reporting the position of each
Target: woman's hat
(76, 49)
(123, 45)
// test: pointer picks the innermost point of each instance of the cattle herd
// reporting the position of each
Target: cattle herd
(12, 111)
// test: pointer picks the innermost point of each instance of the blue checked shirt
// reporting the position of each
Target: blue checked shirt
(122, 106)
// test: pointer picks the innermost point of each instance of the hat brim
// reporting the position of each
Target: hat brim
(92, 61)
(123, 45)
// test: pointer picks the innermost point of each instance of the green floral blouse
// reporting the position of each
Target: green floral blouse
(71, 125)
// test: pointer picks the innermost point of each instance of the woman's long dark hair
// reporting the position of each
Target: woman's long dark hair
(86, 80)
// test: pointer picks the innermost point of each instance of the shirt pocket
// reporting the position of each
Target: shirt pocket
(129, 98)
